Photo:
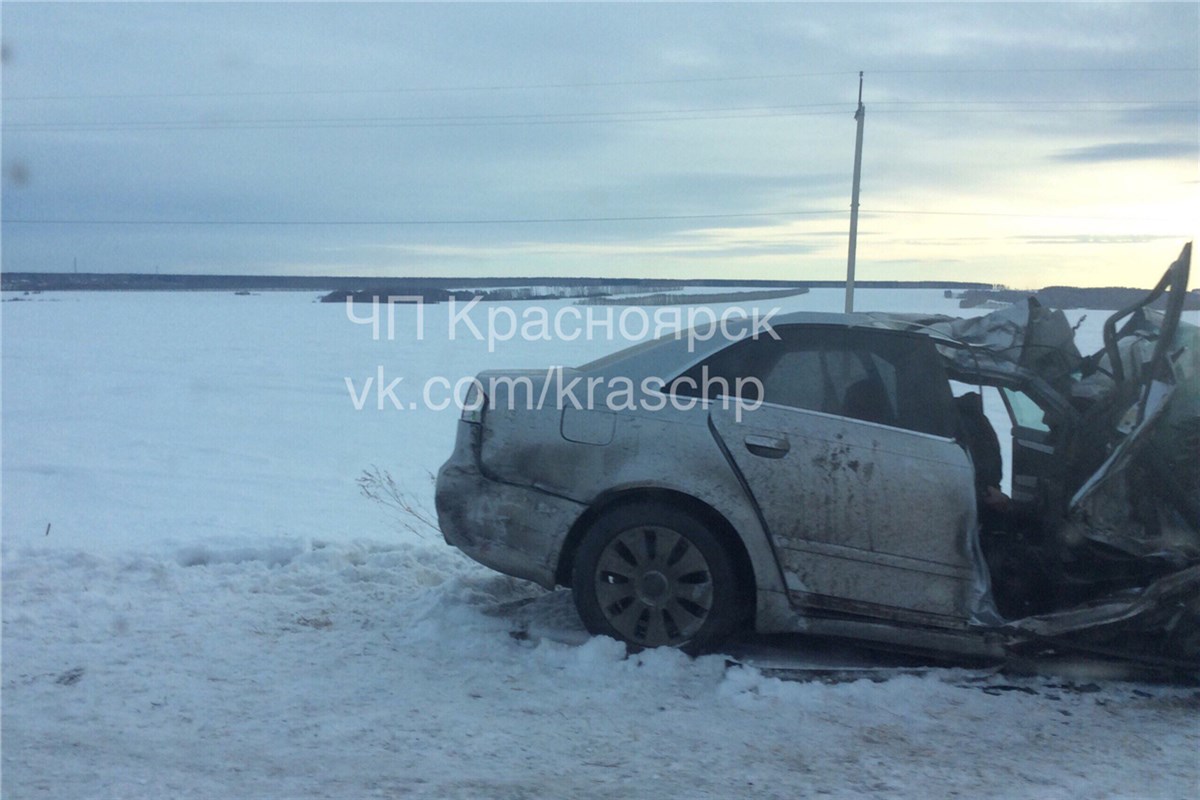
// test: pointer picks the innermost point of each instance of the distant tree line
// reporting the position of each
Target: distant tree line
(680, 298)
(536, 286)
(1100, 299)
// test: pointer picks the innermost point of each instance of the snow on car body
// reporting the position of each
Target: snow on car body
(816, 475)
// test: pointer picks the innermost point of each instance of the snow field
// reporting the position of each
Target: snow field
(368, 670)
(216, 611)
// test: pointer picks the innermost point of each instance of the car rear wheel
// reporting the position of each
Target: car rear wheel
(653, 575)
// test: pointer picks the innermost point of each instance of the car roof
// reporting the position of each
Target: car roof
(677, 349)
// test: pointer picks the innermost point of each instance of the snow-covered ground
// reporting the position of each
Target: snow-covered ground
(215, 611)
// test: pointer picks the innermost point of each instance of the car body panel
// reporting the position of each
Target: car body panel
(508, 527)
(858, 511)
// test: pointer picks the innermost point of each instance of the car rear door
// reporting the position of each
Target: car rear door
(850, 459)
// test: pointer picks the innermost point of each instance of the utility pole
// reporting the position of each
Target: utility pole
(859, 115)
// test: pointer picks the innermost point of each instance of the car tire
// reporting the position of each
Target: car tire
(654, 575)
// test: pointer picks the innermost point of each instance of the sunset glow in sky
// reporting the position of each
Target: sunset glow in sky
(1026, 144)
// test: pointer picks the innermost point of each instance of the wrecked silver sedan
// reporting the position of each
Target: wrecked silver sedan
(820, 475)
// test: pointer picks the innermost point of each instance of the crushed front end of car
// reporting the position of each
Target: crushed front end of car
(1111, 563)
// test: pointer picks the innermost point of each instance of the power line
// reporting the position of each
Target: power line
(1056, 104)
(564, 220)
(591, 84)
(887, 212)
(1030, 70)
(616, 117)
(411, 222)
(465, 119)
(430, 89)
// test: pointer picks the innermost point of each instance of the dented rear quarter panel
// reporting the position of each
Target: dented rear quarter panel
(623, 453)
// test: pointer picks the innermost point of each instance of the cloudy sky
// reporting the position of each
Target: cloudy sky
(1026, 144)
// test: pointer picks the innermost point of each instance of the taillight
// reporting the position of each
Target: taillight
(473, 404)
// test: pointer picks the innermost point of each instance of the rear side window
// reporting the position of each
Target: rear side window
(875, 376)
(1024, 412)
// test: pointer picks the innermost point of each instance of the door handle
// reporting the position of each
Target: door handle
(767, 446)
